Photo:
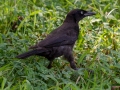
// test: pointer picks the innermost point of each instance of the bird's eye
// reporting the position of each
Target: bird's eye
(81, 12)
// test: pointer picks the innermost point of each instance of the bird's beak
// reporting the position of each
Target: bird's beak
(88, 13)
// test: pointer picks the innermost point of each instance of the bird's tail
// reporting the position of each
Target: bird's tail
(29, 53)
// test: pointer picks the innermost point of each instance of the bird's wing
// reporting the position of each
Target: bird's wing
(60, 41)
(56, 41)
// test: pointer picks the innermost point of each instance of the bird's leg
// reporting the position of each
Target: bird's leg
(50, 64)
(72, 63)
(70, 58)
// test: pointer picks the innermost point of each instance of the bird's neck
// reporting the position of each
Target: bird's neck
(70, 19)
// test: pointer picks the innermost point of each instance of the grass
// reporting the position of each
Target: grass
(23, 23)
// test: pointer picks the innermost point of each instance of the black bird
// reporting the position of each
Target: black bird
(60, 42)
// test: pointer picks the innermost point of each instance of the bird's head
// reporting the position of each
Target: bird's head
(77, 14)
